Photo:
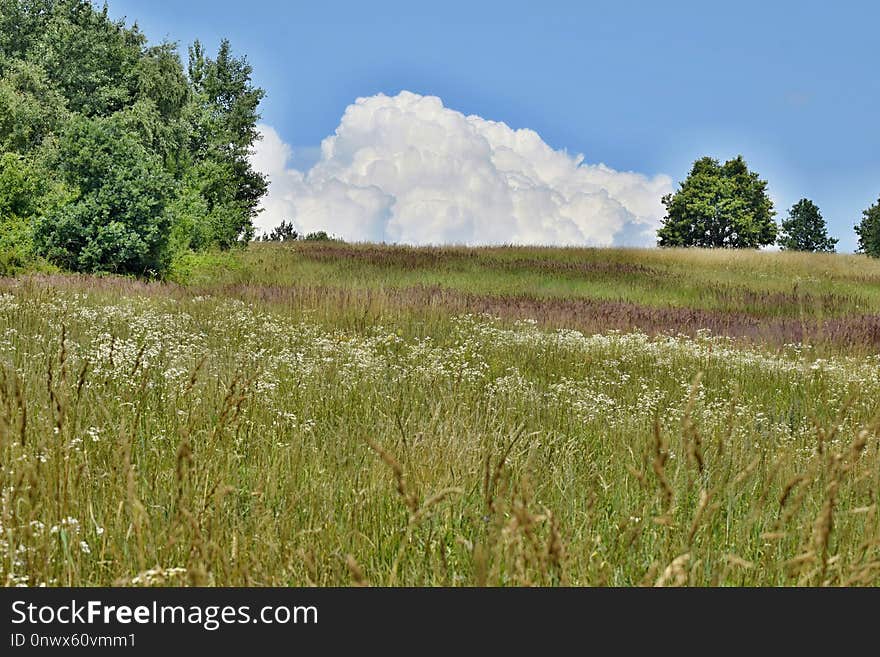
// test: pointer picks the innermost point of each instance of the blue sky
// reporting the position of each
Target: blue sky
(639, 86)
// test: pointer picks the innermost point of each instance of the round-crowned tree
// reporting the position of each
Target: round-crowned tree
(868, 231)
(719, 206)
(805, 229)
(116, 219)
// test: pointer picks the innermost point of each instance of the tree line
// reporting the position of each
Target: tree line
(114, 156)
(727, 206)
(286, 232)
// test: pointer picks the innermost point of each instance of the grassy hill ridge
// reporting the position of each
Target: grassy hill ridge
(768, 297)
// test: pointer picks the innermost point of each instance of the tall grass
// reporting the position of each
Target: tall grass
(155, 434)
(760, 283)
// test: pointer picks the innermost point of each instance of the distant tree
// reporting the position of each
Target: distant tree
(805, 229)
(283, 232)
(319, 236)
(868, 231)
(719, 206)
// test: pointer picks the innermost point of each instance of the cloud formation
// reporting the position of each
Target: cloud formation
(407, 169)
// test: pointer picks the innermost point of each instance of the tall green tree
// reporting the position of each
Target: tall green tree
(868, 231)
(805, 229)
(719, 206)
(225, 117)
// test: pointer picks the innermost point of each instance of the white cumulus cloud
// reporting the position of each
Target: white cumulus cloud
(407, 169)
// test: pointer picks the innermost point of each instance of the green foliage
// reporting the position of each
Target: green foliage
(805, 229)
(91, 58)
(189, 216)
(140, 157)
(20, 190)
(160, 78)
(224, 116)
(868, 231)
(16, 245)
(320, 236)
(21, 23)
(719, 206)
(30, 106)
(202, 268)
(20, 186)
(283, 232)
(117, 220)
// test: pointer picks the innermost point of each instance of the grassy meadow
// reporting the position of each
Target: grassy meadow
(335, 414)
(765, 298)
